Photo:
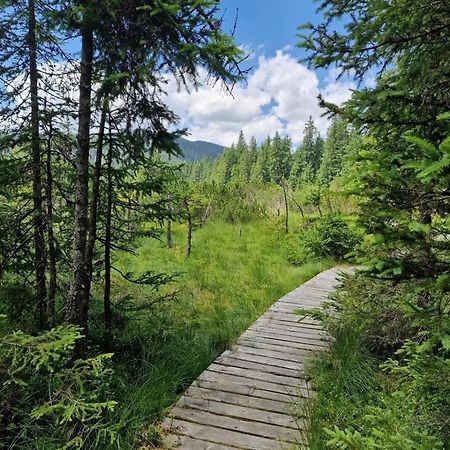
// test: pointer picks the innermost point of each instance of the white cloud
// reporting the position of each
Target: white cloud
(280, 95)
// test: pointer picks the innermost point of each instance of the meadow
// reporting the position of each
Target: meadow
(235, 272)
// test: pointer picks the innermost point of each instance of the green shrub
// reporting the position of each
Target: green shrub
(330, 236)
(49, 401)
(402, 403)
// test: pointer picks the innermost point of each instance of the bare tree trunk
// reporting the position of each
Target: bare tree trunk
(169, 234)
(108, 218)
(298, 206)
(189, 231)
(286, 208)
(205, 216)
(38, 217)
(50, 236)
(330, 209)
(78, 298)
(92, 232)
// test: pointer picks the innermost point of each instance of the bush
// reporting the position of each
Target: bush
(402, 403)
(330, 236)
(49, 401)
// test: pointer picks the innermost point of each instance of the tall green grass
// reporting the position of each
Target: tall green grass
(370, 392)
(234, 274)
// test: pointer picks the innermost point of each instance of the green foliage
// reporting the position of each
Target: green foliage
(45, 397)
(166, 347)
(391, 425)
(331, 236)
(401, 403)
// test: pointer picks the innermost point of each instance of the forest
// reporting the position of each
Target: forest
(126, 270)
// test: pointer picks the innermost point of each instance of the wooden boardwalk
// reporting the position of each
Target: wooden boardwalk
(243, 400)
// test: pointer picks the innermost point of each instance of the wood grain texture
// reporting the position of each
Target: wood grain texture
(243, 400)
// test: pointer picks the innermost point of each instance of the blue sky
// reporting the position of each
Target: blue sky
(268, 23)
(280, 93)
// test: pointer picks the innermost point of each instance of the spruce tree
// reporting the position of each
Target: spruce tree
(334, 150)
(261, 168)
(401, 118)
(280, 158)
(306, 159)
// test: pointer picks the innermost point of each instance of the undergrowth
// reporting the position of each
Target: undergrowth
(385, 381)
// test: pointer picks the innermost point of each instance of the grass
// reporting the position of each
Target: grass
(346, 379)
(234, 274)
(367, 395)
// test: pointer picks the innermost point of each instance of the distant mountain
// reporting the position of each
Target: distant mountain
(193, 150)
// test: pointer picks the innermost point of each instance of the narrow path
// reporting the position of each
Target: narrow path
(243, 400)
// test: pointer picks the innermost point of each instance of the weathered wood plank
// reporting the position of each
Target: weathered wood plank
(260, 359)
(220, 436)
(243, 400)
(270, 345)
(250, 427)
(280, 331)
(256, 375)
(223, 376)
(281, 341)
(236, 388)
(262, 367)
(238, 412)
(188, 443)
(276, 356)
(240, 400)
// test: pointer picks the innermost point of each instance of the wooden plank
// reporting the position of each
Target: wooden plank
(295, 318)
(240, 400)
(280, 341)
(275, 355)
(268, 345)
(262, 367)
(239, 412)
(188, 443)
(290, 326)
(260, 359)
(295, 335)
(236, 388)
(264, 430)
(256, 375)
(222, 377)
(221, 436)
(291, 310)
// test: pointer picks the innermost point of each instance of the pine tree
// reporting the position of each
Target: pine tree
(306, 159)
(334, 151)
(261, 168)
(280, 158)
(398, 208)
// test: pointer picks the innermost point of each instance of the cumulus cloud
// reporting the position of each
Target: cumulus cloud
(279, 95)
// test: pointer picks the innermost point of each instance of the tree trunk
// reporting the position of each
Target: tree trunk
(50, 236)
(189, 232)
(298, 206)
(38, 218)
(286, 208)
(330, 209)
(108, 218)
(92, 233)
(205, 216)
(78, 298)
(169, 234)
